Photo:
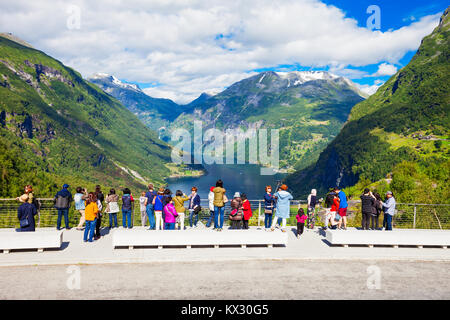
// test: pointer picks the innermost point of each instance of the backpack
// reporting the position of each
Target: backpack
(126, 202)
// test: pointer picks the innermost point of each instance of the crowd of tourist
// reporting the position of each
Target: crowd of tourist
(163, 211)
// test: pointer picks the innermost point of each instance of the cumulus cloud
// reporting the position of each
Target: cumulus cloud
(385, 69)
(193, 46)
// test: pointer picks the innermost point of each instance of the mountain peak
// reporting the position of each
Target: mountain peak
(10, 36)
(114, 81)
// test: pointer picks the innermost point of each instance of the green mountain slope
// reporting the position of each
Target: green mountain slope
(55, 127)
(406, 123)
(309, 109)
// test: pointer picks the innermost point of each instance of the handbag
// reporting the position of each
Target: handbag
(337, 217)
(24, 222)
(268, 211)
(197, 209)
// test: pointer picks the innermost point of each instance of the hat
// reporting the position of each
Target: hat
(23, 198)
(65, 186)
(389, 192)
(211, 189)
(237, 195)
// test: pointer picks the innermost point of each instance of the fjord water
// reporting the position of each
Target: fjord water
(243, 178)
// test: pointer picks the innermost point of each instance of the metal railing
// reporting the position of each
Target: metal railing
(408, 215)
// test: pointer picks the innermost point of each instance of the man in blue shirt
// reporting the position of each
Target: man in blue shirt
(342, 207)
(150, 194)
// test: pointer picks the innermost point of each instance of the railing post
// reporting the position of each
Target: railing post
(259, 212)
(414, 222)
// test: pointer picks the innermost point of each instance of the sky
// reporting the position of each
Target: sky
(177, 49)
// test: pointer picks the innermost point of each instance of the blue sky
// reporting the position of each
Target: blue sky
(178, 49)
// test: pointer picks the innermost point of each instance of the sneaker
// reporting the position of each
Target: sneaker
(283, 230)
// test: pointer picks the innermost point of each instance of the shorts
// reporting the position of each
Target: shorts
(343, 212)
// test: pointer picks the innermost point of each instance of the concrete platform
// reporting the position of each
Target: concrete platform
(398, 237)
(188, 238)
(312, 245)
(41, 239)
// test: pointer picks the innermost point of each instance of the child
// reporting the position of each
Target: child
(143, 208)
(90, 214)
(170, 214)
(301, 218)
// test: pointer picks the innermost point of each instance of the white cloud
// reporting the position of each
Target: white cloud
(370, 89)
(385, 69)
(176, 43)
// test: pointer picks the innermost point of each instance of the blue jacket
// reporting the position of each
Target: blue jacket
(283, 204)
(269, 201)
(27, 210)
(194, 202)
(159, 203)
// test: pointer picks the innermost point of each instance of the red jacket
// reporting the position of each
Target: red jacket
(335, 205)
(247, 210)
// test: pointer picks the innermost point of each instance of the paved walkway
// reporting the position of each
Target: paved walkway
(312, 246)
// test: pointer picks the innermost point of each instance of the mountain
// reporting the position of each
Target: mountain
(399, 137)
(155, 113)
(56, 127)
(309, 108)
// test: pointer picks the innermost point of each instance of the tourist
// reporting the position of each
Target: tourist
(194, 207)
(269, 206)
(342, 208)
(335, 217)
(247, 209)
(79, 199)
(143, 208)
(112, 207)
(377, 208)
(25, 214)
(283, 207)
(367, 207)
(179, 200)
(127, 207)
(62, 201)
(158, 206)
(301, 218)
(312, 202)
(170, 213)
(219, 204)
(236, 214)
(150, 194)
(329, 217)
(91, 211)
(389, 210)
(100, 198)
(211, 208)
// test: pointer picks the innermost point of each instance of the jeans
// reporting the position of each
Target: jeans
(374, 220)
(113, 217)
(151, 216)
(159, 220)
(193, 216)
(281, 223)
(267, 220)
(169, 226)
(90, 229)
(218, 216)
(63, 212)
(235, 224)
(388, 218)
(245, 224)
(211, 219)
(126, 214)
